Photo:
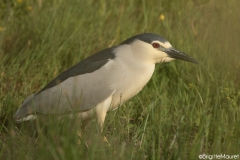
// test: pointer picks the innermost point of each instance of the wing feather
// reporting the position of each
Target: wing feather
(79, 88)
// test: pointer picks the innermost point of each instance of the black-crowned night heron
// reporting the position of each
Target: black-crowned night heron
(103, 81)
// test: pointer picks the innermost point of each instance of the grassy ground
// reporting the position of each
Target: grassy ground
(185, 110)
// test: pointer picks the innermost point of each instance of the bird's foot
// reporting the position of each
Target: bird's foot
(106, 141)
(81, 140)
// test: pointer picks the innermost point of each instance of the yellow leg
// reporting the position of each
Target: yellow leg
(101, 111)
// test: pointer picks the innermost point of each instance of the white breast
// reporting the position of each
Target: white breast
(130, 76)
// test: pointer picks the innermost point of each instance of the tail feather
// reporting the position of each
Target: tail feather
(26, 111)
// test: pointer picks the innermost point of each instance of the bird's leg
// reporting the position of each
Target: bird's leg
(84, 123)
(101, 111)
(79, 133)
(100, 120)
(100, 126)
(83, 126)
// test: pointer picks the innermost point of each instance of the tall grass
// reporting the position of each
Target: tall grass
(185, 110)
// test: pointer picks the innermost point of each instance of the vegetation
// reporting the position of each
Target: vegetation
(184, 111)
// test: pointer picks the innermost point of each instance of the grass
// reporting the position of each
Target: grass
(185, 110)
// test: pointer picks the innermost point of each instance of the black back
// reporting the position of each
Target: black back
(88, 65)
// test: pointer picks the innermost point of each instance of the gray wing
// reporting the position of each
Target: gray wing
(79, 88)
(87, 65)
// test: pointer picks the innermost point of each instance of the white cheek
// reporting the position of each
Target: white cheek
(164, 59)
(167, 45)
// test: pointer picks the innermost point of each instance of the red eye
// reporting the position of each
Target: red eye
(155, 45)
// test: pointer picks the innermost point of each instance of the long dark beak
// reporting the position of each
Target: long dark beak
(173, 53)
